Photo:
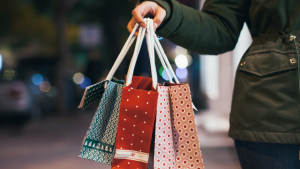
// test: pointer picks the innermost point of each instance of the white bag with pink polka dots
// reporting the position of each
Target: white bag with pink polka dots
(176, 138)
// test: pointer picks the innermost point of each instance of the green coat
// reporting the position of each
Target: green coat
(265, 105)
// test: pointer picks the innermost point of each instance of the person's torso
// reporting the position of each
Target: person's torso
(272, 22)
(265, 106)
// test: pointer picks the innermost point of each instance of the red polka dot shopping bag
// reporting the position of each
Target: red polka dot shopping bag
(98, 144)
(137, 114)
(176, 139)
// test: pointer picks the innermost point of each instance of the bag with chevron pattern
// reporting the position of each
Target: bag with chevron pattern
(98, 144)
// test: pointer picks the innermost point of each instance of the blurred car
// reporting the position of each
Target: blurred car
(15, 106)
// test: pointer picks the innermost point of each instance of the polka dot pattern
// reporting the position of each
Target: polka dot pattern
(164, 157)
(138, 107)
(186, 142)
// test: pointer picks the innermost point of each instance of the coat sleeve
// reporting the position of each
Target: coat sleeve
(213, 30)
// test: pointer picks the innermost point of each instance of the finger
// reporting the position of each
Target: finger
(159, 17)
(139, 13)
(131, 25)
(133, 22)
(136, 33)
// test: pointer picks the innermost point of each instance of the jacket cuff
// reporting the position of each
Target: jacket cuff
(164, 4)
(172, 19)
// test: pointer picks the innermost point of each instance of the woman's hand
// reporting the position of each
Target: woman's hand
(144, 9)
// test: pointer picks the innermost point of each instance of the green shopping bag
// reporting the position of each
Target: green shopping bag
(100, 139)
(94, 93)
(98, 144)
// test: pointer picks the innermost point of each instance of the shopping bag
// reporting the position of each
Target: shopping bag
(137, 114)
(94, 93)
(136, 121)
(175, 111)
(186, 142)
(164, 154)
(98, 144)
(176, 138)
(99, 141)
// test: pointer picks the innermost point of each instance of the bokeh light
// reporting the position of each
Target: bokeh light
(45, 86)
(180, 50)
(181, 61)
(161, 69)
(160, 38)
(37, 79)
(1, 62)
(52, 92)
(165, 76)
(78, 78)
(9, 74)
(181, 73)
(190, 59)
(86, 82)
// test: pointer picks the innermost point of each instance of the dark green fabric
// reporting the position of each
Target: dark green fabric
(265, 105)
(167, 7)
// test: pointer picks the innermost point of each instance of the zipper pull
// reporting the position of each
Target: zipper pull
(292, 37)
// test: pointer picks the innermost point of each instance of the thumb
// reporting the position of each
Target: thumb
(159, 17)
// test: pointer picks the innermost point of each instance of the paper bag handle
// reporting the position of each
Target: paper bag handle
(122, 54)
(150, 45)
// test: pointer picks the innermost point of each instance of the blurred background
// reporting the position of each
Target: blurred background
(51, 50)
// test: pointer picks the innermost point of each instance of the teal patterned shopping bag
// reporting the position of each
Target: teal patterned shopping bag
(99, 142)
(94, 93)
